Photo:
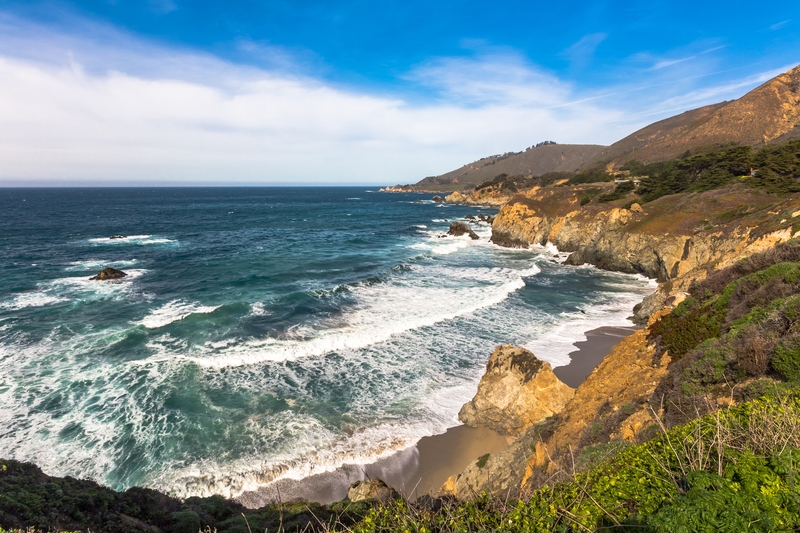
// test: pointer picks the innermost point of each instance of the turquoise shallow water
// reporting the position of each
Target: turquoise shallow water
(261, 333)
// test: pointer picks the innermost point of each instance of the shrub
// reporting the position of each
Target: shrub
(787, 359)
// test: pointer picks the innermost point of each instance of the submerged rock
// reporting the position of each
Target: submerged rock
(109, 273)
(371, 489)
(470, 217)
(458, 229)
(118, 237)
(517, 391)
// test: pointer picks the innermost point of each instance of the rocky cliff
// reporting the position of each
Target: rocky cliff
(674, 239)
(517, 391)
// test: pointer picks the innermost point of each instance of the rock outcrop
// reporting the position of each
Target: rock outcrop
(675, 240)
(612, 402)
(457, 229)
(517, 391)
(371, 489)
(109, 273)
(437, 199)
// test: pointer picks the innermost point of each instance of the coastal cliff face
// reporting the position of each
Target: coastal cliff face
(517, 391)
(480, 197)
(675, 239)
(612, 403)
(678, 240)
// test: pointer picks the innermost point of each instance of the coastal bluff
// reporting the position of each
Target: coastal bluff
(517, 391)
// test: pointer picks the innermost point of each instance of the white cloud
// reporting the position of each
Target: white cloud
(116, 110)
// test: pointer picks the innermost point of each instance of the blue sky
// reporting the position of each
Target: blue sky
(179, 91)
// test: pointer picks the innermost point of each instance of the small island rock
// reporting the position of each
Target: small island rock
(438, 199)
(517, 391)
(458, 229)
(109, 273)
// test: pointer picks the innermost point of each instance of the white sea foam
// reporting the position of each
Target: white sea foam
(69, 289)
(99, 264)
(134, 239)
(558, 340)
(258, 309)
(426, 296)
(172, 312)
(325, 452)
(31, 299)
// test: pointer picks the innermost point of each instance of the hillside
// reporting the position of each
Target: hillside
(532, 162)
(767, 113)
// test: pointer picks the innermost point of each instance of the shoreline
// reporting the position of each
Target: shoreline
(424, 467)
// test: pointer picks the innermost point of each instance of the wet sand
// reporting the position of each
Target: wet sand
(598, 344)
(423, 468)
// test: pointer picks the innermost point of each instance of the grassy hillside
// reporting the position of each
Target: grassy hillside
(767, 113)
(534, 161)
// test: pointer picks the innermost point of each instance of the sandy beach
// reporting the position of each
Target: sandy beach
(423, 468)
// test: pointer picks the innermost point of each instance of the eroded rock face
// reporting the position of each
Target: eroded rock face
(109, 273)
(458, 229)
(517, 391)
(371, 489)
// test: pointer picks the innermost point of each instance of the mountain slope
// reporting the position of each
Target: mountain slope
(767, 113)
(532, 162)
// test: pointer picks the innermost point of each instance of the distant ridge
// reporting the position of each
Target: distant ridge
(532, 162)
(768, 113)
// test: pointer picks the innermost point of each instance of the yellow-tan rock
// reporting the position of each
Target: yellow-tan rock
(517, 391)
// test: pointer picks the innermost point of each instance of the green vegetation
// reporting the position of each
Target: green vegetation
(620, 191)
(590, 176)
(30, 499)
(777, 169)
(589, 194)
(512, 184)
(731, 471)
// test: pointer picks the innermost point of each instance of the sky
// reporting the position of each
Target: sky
(192, 92)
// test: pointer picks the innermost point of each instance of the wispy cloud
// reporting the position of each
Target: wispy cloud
(582, 52)
(779, 25)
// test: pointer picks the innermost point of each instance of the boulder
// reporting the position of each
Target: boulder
(470, 217)
(458, 229)
(636, 208)
(516, 391)
(118, 237)
(490, 219)
(109, 273)
(438, 199)
(371, 489)
(481, 217)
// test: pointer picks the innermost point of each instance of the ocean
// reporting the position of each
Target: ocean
(261, 333)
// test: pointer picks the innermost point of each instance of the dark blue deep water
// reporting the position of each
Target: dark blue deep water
(260, 332)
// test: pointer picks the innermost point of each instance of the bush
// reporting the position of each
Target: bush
(787, 359)
(620, 191)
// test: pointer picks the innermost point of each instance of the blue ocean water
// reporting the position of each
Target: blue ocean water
(261, 333)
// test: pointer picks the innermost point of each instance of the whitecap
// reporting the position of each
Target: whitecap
(172, 312)
(422, 297)
(134, 239)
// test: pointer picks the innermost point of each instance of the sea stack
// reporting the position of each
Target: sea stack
(457, 229)
(109, 273)
(517, 391)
